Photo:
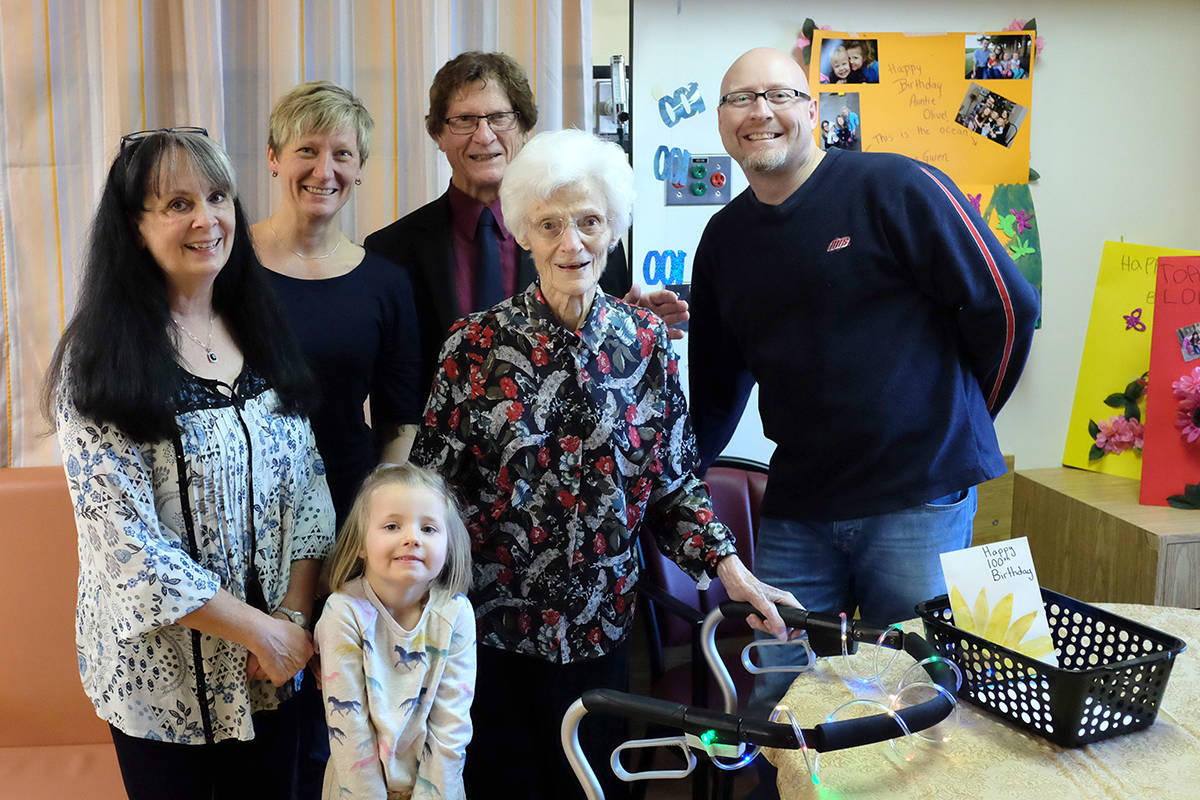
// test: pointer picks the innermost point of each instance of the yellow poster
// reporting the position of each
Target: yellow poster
(1105, 432)
(958, 101)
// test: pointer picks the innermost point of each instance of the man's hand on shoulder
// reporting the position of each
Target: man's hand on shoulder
(665, 304)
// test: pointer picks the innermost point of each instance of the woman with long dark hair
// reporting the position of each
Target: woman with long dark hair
(200, 499)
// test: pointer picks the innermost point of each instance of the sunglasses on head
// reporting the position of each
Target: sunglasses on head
(136, 138)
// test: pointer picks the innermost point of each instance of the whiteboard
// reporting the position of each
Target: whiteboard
(1115, 110)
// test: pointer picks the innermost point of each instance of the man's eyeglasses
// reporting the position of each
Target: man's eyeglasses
(467, 123)
(134, 139)
(776, 97)
(589, 226)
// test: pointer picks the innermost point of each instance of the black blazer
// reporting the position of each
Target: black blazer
(423, 243)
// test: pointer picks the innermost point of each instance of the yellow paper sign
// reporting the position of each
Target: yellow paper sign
(923, 96)
(1116, 354)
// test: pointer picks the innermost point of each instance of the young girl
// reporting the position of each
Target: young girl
(839, 65)
(397, 642)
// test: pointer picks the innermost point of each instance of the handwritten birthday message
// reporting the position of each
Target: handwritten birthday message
(994, 594)
(913, 109)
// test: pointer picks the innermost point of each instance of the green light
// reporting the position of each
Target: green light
(708, 737)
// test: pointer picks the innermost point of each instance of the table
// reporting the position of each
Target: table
(988, 758)
(1092, 540)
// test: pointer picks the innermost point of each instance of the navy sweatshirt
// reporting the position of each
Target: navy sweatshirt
(884, 324)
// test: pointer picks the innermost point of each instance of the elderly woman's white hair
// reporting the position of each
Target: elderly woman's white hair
(552, 160)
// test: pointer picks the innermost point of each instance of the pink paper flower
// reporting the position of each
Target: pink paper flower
(803, 41)
(1187, 424)
(1187, 390)
(1119, 433)
(1019, 25)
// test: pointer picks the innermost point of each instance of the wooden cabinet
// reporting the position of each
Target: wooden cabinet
(1092, 540)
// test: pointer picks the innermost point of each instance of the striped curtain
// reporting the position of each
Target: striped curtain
(76, 74)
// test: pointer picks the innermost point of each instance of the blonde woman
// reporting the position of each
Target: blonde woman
(352, 311)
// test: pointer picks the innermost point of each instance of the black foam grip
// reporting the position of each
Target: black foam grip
(690, 719)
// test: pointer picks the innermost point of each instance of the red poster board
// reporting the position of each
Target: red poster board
(1170, 461)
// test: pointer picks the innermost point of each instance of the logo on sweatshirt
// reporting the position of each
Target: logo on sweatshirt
(838, 244)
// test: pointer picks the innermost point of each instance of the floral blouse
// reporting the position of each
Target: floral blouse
(561, 443)
(164, 525)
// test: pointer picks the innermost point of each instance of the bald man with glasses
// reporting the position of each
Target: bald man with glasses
(885, 327)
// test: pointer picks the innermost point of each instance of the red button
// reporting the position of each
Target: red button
(717, 179)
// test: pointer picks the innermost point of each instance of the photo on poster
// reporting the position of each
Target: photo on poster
(998, 57)
(840, 125)
(850, 61)
(1189, 342)
(991, 115)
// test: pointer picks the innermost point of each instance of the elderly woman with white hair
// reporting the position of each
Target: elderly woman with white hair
(559, 416)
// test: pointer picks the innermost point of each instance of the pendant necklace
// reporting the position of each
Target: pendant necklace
(212, 356)
(297, 253)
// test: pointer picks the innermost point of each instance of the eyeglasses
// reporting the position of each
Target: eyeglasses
(134, 139)
(588, 226)
(499, 121)
(776, 97)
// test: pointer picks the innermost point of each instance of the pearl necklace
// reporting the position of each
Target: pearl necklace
(207, 346)
(297, 253)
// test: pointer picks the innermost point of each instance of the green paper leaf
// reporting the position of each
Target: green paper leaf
(807, 28)
(807, 53)
(1007, 223)
(1190, 499)
(1134, 390)
(1115, 400)
(1033, 175)
(1132, 411)
(1093, 428)
(1019, 247)
(1095, 453)
(1031, 25)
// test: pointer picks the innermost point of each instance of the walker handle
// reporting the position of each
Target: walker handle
(728, 728)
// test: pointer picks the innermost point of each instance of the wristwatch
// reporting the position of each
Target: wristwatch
(292, 616)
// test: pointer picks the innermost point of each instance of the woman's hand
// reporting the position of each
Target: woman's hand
(280, 650)
(741, 586)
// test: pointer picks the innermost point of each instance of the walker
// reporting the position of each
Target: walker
(722, 735)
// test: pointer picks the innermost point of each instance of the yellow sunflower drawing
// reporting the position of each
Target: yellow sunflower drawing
(993, 623)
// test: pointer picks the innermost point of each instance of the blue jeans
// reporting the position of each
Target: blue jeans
(882, 565)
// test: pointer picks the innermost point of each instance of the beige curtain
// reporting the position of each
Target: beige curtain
(76, 74)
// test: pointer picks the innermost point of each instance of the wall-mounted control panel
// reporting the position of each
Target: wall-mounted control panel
(702, 181)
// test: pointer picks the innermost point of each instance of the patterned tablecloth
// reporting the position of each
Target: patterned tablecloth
(988, 758)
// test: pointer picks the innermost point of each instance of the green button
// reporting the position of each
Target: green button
(698, 171)
(699, 189)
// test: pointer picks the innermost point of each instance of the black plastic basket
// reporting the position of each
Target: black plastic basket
(1110, 681)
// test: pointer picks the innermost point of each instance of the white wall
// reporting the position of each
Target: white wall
(610, 30)
(1116, 107)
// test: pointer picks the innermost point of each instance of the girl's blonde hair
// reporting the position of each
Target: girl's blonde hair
(345, 563)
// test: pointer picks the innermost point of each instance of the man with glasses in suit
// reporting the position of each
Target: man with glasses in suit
(461, 254)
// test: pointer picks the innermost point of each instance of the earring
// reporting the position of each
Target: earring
(274, 174)
(358, 181)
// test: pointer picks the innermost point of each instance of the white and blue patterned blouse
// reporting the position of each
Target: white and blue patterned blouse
(162, 526)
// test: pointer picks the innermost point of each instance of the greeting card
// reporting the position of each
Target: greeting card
(995, 594)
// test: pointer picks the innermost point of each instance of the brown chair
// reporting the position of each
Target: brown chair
(675, 608)
(52, 744)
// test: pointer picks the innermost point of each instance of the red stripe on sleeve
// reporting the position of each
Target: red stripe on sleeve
(997, 279)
